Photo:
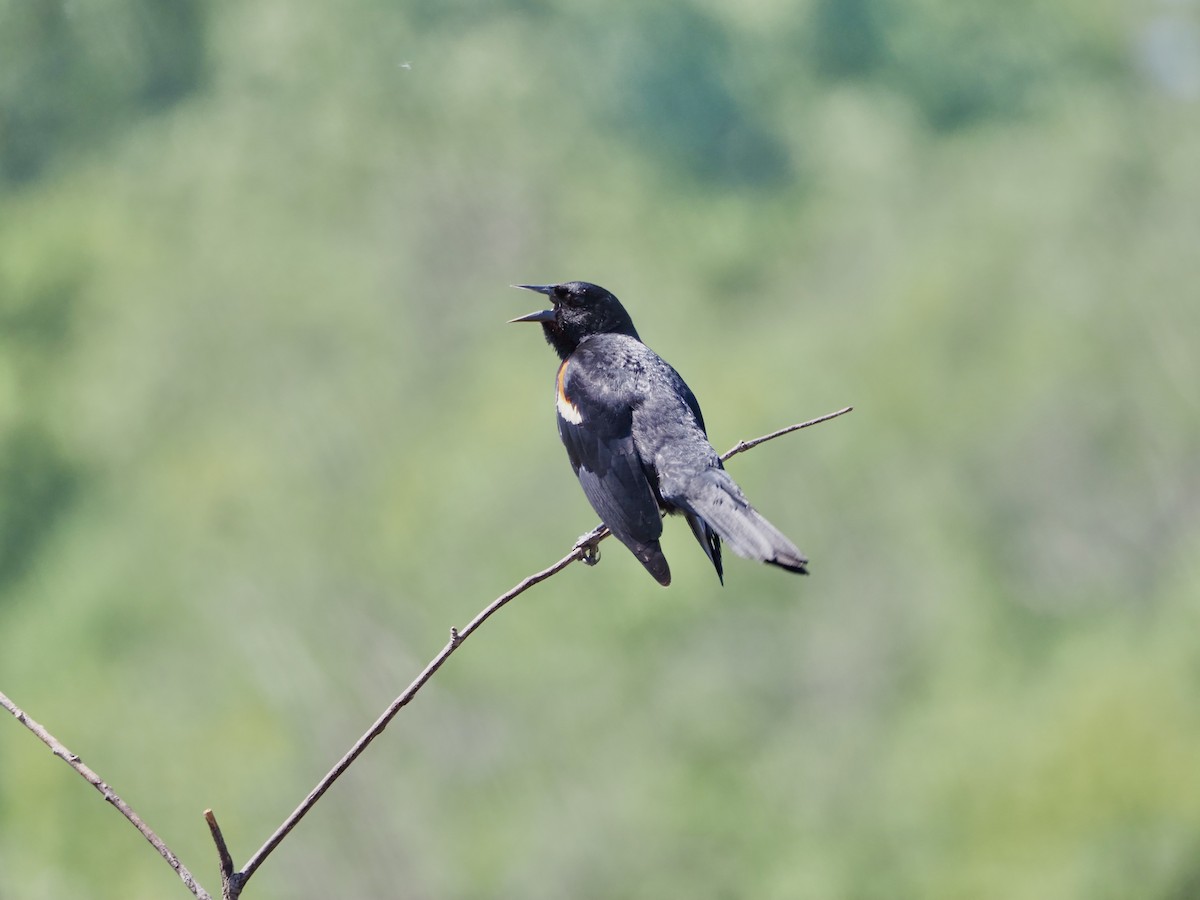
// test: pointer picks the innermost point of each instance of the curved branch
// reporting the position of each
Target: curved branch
(456, 638)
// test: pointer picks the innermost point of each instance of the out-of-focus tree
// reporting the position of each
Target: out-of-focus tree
(70, 73)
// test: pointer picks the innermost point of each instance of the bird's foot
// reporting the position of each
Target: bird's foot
(589, 545)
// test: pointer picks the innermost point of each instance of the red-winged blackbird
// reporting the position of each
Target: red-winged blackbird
(636, 439)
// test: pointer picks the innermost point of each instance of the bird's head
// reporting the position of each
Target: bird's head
(579, 310)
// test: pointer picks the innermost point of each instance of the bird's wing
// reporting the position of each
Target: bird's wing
(690, 399)
(595, 421)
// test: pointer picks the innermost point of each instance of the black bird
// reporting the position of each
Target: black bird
(636, 439)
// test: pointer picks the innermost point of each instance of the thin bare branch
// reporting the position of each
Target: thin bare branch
(457, 637)
(108, 793)
(231, 882)
(743, 446)
(585, 550)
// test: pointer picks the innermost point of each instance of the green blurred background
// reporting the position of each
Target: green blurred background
(264, 437)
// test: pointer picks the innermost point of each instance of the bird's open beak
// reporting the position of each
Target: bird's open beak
(542, 315)
(546, 289)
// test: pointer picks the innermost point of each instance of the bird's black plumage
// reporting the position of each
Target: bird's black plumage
(636, 438)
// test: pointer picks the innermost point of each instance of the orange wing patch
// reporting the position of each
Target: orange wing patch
(568, 410)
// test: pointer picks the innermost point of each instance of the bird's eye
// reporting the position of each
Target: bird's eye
(563, 294)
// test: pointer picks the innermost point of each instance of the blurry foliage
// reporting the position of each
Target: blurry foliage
(39, 288)
(958, 63)
(72, 73)
(264, 436)
(676, 81)
(36, 488)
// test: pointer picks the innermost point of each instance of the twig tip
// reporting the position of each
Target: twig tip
(222, 848)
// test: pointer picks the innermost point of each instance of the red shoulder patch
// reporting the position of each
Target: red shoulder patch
(566, 408)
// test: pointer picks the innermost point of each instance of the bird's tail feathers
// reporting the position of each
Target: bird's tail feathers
(709, 540)
(719, 502)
